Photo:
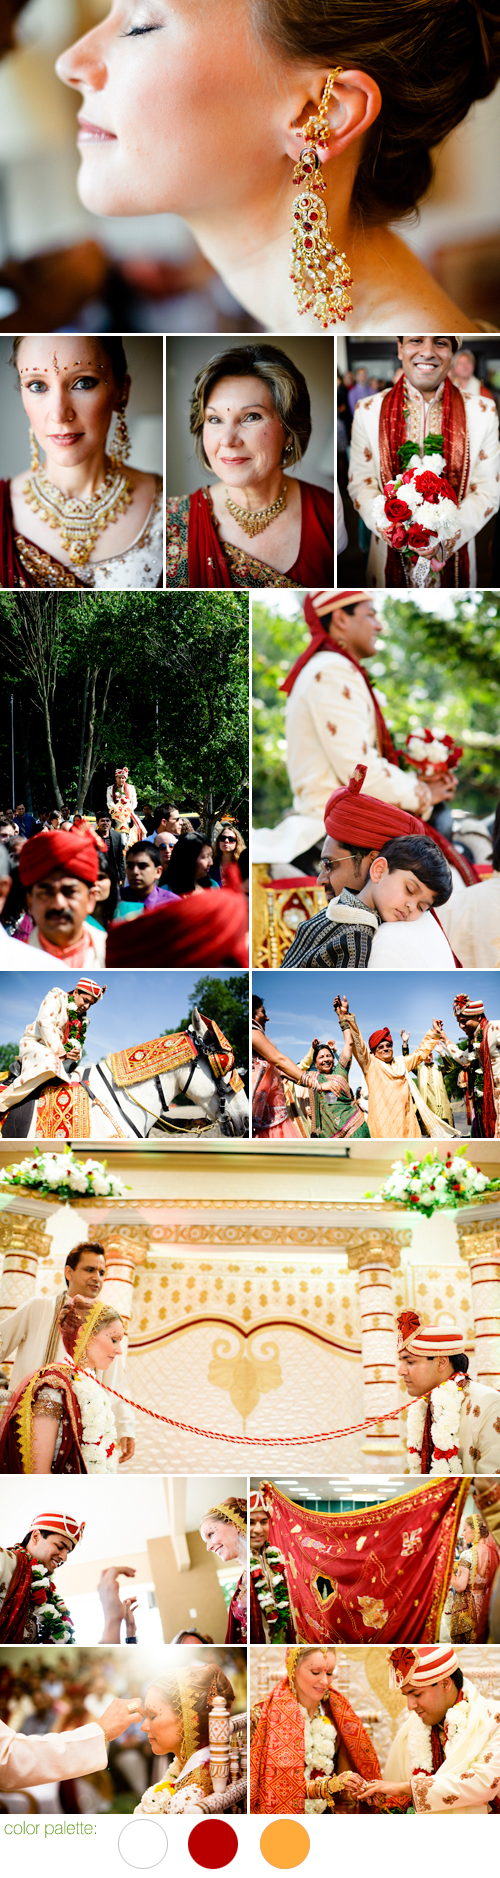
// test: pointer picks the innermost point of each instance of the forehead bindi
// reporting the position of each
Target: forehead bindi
(58, 361)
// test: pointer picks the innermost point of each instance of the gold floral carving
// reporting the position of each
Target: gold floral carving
(247, 1375)
(20, 1233)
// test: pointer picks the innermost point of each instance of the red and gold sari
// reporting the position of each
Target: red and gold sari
(196, 557)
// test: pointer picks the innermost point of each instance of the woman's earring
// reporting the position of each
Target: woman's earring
(35, 460)
(120, 448)
(288, 451)
(321, 276)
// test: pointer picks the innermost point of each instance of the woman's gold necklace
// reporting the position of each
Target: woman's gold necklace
(77, 519)
(253, 521)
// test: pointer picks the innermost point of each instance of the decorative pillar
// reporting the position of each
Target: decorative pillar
(375, 1255)
(479, 1241)
(24, 1240)
(126, 1246)
(218, 1735)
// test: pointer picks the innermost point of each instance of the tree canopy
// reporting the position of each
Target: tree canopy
(155, 681)
(225, 1000)
(431, 668)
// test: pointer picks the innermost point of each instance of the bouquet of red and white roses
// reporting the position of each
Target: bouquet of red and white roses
(432, 755)
(418, 510)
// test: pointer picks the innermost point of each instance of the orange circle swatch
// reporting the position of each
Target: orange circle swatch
(285, 1844)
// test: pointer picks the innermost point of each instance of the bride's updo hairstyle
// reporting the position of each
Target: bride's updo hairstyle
(284, 381)
(432, 60)
(201, 1683)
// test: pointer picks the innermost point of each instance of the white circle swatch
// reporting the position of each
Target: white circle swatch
(143, 1843)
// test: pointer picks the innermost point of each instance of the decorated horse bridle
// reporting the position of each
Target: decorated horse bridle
(226, 1122)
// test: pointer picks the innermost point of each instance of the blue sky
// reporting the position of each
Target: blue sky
(300, 1004)
(137, 1005)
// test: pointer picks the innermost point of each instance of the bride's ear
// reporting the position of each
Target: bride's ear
(354, 105)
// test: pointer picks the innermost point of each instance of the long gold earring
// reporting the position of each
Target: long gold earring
(120, 448)
(321, 275)
(35, 460)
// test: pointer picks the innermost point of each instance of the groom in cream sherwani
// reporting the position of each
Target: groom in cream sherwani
(425, 402)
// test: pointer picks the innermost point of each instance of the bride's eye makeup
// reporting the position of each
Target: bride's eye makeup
(79, 384)
(143, 26)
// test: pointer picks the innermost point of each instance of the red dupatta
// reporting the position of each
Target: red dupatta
(15, 1606)
(15, 1434)
(207, 565)
(17, 573)
(489, 1114)
(392, 434)
(277, 1758)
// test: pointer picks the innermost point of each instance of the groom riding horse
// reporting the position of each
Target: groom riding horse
(123, 1096)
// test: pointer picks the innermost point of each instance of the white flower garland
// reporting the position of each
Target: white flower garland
(420, 1737)
(319, 1749)
(446, 1404)
(52, 1618)
(164, 1797)
(63, 1174)
(99, 1443)
(273, 1599)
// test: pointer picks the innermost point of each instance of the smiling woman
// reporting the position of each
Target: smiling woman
(251, 422)
(203, 110)
(107, 517)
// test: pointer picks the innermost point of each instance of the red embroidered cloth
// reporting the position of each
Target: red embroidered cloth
(16, 1602)
(315, 561)
(380, 1575)
(277, 1754)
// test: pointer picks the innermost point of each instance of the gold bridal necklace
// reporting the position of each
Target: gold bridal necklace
(253, 521)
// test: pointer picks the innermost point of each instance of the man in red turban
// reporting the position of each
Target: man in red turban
(342, 934)
(52, 1044)
(482, 1052)
(334, 721)
(395, 1105)
(30, 1607)
(59, 872)
(445, 1757)
(204, 929)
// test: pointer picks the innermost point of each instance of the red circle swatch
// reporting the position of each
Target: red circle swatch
(213, 1844)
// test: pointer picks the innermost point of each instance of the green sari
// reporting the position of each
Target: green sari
(336, 1116)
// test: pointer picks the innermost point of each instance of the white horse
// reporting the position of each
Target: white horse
(117, 1113)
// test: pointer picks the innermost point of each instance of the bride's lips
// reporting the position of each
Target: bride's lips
(94, 133)
(65, 437)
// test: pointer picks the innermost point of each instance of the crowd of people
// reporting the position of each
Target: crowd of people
(403, 1095)
(433, 398)
(71, 884)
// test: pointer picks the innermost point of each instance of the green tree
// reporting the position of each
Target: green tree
(156, 681)
(8, 1052)
(225, 1000)
(434, 668)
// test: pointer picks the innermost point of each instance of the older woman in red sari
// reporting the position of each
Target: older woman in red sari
(307, 1737)
(257, 526)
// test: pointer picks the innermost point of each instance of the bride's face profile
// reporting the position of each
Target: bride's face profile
(69, 393)
(105, 1345)
(243, 437)
(219, 1537)
(161, 1725)
(167, 122)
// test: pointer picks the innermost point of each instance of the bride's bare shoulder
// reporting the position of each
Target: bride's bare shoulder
(399, 290)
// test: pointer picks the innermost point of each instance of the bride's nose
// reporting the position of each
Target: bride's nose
(84, 63)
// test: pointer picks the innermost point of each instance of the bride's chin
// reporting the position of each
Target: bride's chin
(98, 190)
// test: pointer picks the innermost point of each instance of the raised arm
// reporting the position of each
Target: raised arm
(263, 1047)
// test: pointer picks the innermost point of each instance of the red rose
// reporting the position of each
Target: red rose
(446, 490)
(397, 511)
(418, 537)
(39, 1597)
(408, 476)
(429, 486)
(397, 537)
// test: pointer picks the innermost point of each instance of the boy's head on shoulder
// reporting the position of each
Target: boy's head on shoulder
(408, 878)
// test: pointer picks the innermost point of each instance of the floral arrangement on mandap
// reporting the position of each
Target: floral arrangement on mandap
(418, 509)
(62, 1174)
(433, 1184)
(432, 755)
